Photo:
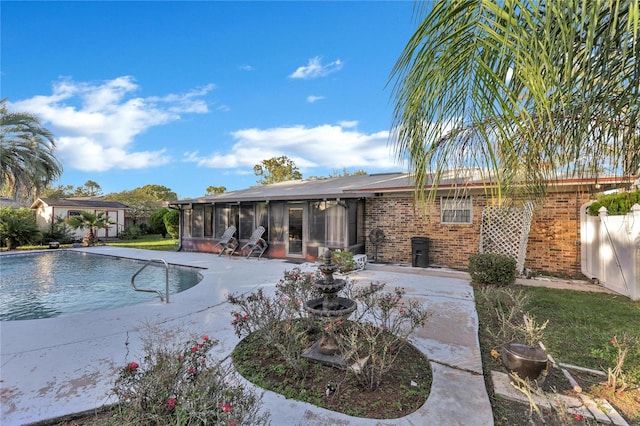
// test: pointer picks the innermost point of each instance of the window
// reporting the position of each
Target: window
(455, 209)
(208, 221)
(72, 213)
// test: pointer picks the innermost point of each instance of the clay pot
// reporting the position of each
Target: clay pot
(528, 362)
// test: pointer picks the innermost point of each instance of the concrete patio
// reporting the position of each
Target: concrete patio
(58, 366)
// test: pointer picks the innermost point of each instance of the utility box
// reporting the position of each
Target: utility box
(420, 252)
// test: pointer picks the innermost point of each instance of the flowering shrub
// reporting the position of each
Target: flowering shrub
(384, 321)
(181, 384)
(281, 319)
(383, 324)
(618, 353)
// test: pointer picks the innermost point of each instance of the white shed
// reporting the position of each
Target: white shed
(47, 209)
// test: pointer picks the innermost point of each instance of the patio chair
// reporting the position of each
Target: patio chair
(256, 243)
(228, 241)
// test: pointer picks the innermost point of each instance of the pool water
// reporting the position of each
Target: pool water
(51, 284)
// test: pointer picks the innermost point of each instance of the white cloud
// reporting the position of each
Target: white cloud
(311, 98)
(315, 69)
(247, 68)
(95, 123)
(326, 146)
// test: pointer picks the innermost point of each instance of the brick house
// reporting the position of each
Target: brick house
(304, 217)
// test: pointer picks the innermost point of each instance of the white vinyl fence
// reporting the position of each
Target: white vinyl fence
(610, 250)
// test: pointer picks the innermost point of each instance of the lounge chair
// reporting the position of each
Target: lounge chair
(228, 241)
(256, 243)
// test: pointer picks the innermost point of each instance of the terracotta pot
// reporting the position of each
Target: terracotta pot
(528, 362)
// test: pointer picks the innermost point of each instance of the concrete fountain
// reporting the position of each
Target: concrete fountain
(328, 307)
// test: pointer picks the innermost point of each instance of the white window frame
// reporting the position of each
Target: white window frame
(462, 208)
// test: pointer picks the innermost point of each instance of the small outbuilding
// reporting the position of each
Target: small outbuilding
(48, 209)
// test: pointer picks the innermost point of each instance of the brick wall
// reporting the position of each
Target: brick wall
(551, 249)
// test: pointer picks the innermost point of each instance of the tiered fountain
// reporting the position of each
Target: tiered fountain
(328, 307)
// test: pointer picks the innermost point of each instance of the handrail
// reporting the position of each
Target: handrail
(166, 268)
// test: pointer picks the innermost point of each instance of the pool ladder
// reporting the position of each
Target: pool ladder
(166, 269)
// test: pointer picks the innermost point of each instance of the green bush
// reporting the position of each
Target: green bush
(492, 268)
(157, 222)
(130, 233)
(344, 260)
(18, 227)
(172, 223)
(617, 204)
(59, 232)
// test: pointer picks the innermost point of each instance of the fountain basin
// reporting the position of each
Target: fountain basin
(342, 307)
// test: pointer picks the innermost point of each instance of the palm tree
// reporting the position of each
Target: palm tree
(27, 159)
(91, 222)
(522, 90)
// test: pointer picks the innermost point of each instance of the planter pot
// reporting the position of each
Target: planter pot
(528, 362)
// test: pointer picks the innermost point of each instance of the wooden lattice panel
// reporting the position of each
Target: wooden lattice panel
(505, 230)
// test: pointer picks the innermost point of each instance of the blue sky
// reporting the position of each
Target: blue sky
(193, 94)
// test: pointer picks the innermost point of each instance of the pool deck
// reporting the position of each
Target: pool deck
(59, 366)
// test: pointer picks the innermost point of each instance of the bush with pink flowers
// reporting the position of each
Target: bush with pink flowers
(183, 384)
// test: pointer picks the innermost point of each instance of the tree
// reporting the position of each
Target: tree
(276, 169)
(213, 190)
(346, 172)
(157, 222)
(91, 222)
(522, 90)
(89, 189)
(18, 227)
(27, 160)
(144, 200)
(172, 223)
(60, 191)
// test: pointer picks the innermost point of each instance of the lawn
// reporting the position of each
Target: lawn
(581, 330)
(149, 242)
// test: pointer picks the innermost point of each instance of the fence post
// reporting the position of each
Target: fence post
(635, 276)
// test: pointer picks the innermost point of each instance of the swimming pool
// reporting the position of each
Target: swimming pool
(52, 284)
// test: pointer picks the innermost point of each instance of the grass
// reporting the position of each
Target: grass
(148, 242)
(583, 324)
(580, 330)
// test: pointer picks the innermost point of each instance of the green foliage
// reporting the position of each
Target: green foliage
(492, 268)
(59, 232)
(157, 222)
(91, 222)
(147, 242)
(214, 190)
(344, 260)
(277, 169)
(616, 204)
(131, 232)
(508, 86)
(18, 227)
(172, 223)
(182, 384)
(27, 154)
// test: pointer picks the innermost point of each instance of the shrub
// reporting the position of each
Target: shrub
(18, 227)
(492, 268)
(617, 204)
(131, 232)
(384, 321)
(59, 232)
(172, 223)
(344, 260)
(157, 222)
(182, 384)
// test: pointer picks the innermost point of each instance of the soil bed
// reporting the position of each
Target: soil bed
(403, 390)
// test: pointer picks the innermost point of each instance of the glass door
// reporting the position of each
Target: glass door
(295, 244)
